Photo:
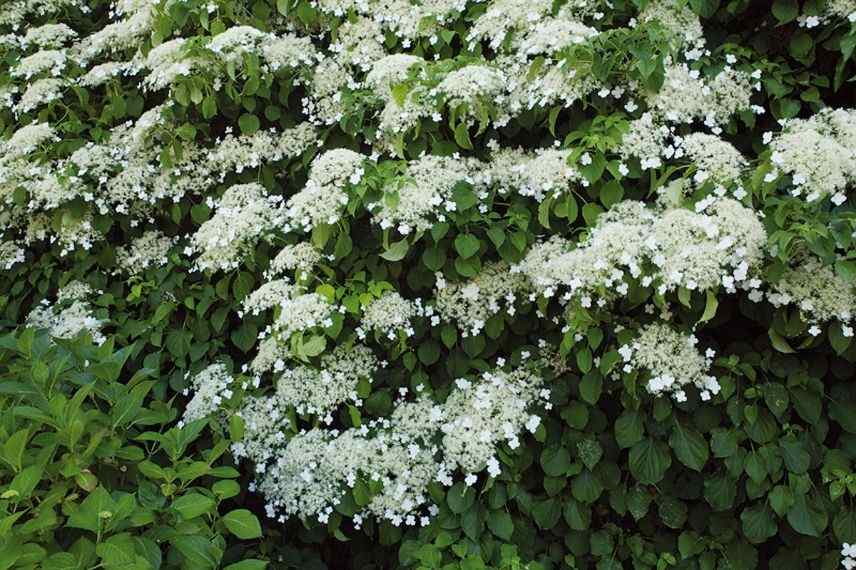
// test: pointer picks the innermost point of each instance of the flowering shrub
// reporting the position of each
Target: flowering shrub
(452, 284)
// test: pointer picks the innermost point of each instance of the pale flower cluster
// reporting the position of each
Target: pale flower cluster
(494, 291)
(715, 159)
(842, 9)
(70, 316)
(271, 294)
(147, 251)
(405, 19)
(242, 152)
(686, 96)
(672, 362)
(319, 391)
(243, 215)
(680, 20)
(818, 153)
(303, 312)
(820, 294)
(210, 387)
(666, 249)
(10, 254)
(848, 551)
(391, 315)
(423, 194)
(421, 442)
(325, 195)
(480, 414)
(300, 257)
(49, 36)
(26, 140)
(544, 173)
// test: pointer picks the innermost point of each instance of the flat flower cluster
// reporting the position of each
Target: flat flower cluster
(307, 474)
(70, 315)
(671, 362)
(717, 246)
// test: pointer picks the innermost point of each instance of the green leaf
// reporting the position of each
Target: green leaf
(396, 251)
(460, 497)
(649, 460)
(25, 481)
(198, 552)
(590, 387)
(786, 10)
(794, 454)
(546, 513)
(629, 429)
(779, 342)
(97, 507)
(806, 517)
(591, 212)
(837, 340)
(249, 564)
(705, 8)
(723, 443)
(500, 524)
(586, 487)
(193, 504)
(555, 461)
(58, 561)
(462, 136)
(245, 336)
(464, 197)
(710, 306)
(117, 551)
(544, 212)
(690, 447)
(243, 524)
(758, 523)
(844, 526)
(434, 257)
(611, 193)
(226, 489)
(467, 245)
(248, 124)
(13, 448)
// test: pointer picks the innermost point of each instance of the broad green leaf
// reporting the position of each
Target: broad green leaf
(690, 447)
(649, 460)
(243, 524)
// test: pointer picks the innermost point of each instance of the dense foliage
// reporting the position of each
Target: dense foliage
(512, 284)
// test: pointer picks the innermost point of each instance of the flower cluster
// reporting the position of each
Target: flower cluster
(471, 303)
(318, 392)
(421, 442)
(687, 96)
(299, 257)
(211, 387)
(672, 362)
(391, 315)
(70, 316)
(10, 254)
(848, 551)
(325, 195)
(423, 194)
(243, 214)
(818, 154)
(721, 245)
(148, 250)
(544, 173)
(820, 294)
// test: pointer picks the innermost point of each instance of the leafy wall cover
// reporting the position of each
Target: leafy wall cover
(453, 284)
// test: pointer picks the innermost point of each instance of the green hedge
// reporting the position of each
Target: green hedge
(427, 284)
